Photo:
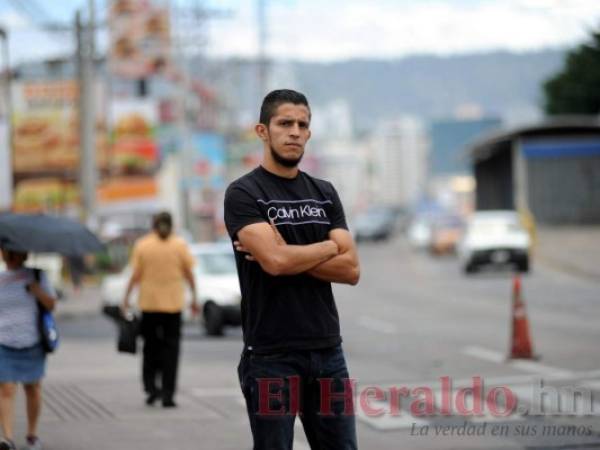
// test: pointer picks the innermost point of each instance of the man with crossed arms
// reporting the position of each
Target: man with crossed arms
(292, 242)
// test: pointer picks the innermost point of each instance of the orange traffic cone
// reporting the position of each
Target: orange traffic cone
(521, 346)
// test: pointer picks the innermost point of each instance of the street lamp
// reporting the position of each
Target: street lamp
(6, 148)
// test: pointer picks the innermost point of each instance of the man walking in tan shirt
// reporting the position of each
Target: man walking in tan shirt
(161, 264)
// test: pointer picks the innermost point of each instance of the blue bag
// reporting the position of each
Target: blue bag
(49, 337)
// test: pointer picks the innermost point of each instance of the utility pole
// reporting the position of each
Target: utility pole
(87, 131)
(262, 47)
(6, 148)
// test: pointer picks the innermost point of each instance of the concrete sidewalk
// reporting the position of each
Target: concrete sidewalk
(574, 250)
(93, 398)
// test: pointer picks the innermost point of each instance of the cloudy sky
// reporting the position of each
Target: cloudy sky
(333, 29)
(337, 29)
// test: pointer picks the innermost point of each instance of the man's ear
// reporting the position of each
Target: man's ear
(309, 134)
(262, 132)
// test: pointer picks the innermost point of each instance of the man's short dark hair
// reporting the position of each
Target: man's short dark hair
(163, 217)
(162, 223)
(276, 98)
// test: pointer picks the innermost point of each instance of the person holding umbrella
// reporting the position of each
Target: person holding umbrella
(22, 358)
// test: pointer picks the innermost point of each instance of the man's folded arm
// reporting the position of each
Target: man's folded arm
(278, 258)
(343, 268)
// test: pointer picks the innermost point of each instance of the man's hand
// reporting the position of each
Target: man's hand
(136, 275)
(196, 308)
(278, 237)
(125, 306)
(264, 244)
(344, 268)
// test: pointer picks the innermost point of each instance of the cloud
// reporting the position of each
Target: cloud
(318, 30)
(12, 20)
(28, 43)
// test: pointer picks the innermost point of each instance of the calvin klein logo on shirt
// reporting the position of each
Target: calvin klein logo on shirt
(296, 212)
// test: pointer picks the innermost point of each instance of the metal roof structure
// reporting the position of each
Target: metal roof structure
(490, 144)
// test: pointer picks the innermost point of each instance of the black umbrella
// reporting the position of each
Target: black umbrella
(41, 233)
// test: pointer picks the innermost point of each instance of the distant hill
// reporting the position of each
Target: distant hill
(501, 83)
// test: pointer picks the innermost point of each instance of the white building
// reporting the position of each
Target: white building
(340, 158)
(398, 162)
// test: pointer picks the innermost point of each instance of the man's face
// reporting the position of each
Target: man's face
(288, 133)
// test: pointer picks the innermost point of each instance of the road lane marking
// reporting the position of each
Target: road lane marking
(484, 353)
(536, 367)
(524, 365)
(380, 326)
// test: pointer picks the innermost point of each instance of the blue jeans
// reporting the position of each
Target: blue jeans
(313, 384)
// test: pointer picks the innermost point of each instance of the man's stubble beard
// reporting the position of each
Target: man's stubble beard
(285, 162)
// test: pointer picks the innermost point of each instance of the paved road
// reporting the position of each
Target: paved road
(411, 321)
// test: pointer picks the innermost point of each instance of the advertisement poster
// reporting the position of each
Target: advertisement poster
(45, 140)
(209, 160)
(134, 151)
(139, 38)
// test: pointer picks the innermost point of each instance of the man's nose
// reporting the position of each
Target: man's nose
(295, 130)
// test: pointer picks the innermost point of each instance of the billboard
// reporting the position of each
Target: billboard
(45, 142)
(134, 151)
(208, 160)
(139, 38)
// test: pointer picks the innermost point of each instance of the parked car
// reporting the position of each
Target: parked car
(419, 232)
(494, 238)
(446, 232)
(216, 280)
(375, 224)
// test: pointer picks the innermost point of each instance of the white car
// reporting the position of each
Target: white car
(496, 238)
(216, 281)
(419, 233)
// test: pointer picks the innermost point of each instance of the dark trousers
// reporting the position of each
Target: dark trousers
(311, 384)
(161, 333)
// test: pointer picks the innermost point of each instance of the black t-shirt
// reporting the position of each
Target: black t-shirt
(291, 311)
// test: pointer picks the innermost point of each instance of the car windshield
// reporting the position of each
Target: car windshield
(216, 263)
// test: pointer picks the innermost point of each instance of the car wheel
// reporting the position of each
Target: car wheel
(213, 318)
(523, 265)
(470, 268)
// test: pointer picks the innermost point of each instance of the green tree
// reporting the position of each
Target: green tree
(576, 90)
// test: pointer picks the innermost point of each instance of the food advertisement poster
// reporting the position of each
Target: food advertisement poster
(45, 142)
(133, 149)
(139, 38)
